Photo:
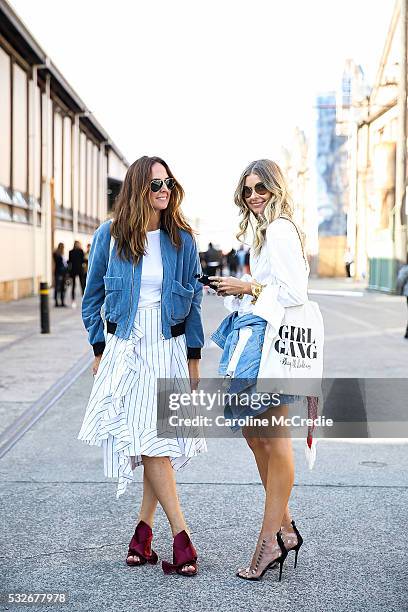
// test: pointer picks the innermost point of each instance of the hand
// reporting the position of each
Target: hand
(229, 285)
(95, 364)
(194, 373)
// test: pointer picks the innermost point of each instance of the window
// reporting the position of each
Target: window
(57, 170)
(62, 172)
(20, 146)
(86, 222)
(5, 140)
(95, 175)
(67, 163)
(34, 152)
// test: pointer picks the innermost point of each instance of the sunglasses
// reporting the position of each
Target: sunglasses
(259, 188)
(157, 184)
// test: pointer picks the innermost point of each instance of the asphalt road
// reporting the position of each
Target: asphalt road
(64, 530)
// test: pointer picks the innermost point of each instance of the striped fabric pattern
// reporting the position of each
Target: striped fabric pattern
(121, 415)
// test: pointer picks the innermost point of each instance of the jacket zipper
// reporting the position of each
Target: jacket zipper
(161, 306)
(131, 295)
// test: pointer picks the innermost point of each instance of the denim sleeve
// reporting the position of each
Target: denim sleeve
(194, 327)
(94, 294)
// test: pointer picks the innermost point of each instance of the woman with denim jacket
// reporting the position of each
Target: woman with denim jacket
(279, 276)
(141, 276)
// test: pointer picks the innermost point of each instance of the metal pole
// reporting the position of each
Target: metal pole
(44, 309)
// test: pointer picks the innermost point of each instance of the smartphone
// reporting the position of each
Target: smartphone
(204, 279)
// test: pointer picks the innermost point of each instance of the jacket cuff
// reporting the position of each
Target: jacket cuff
(193, 353)
(98, 348)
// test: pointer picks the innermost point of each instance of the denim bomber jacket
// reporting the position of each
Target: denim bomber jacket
(226, 337)
(115, 284)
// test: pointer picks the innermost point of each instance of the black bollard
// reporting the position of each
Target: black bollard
(44, 309)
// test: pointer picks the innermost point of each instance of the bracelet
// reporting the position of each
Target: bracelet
(256, 289)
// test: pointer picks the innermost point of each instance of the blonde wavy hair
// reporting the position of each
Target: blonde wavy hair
(279, 204)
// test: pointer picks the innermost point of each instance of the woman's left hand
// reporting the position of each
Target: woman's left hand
(229, 285)
(194, 373)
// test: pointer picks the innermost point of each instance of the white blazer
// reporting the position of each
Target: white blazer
(280, 266)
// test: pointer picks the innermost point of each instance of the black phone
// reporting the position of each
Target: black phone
(204, 279)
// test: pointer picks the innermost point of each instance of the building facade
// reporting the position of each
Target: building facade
(379, 228)
(296, 163)
(59, 170)
(331, 162)
(335, 188)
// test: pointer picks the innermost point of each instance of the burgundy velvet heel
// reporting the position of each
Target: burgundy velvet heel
(140, 545)
(184, 553)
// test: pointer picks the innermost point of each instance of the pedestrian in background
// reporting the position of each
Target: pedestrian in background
(86, 259)
(154, 330)
(232, 262)
(402, 287)
(60, 272)
(213, 260)
(277, 260)
(241, 259)
(348, 260)
(246, 263)
(76, 261)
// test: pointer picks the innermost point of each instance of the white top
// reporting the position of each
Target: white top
(152, 272)
(281, 266)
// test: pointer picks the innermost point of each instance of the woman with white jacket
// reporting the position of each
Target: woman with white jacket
(279, 277)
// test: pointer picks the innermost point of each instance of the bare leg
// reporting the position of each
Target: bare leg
(274, 457)
(149, 502)
(279, 484)
(147, 508)
(160, 475)
(261, 459)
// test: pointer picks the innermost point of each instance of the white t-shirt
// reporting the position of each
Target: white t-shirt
(152, 272)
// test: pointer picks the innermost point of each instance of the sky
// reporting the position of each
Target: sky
(209, 86)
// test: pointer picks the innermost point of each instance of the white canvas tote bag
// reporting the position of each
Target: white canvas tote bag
(295, 351)
(292, 358)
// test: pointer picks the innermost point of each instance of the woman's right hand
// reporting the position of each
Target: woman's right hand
(95, 364)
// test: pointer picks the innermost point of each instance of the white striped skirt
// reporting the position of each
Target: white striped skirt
(121, 415)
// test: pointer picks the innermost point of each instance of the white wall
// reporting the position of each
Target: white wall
(116, 168)
(17, 251)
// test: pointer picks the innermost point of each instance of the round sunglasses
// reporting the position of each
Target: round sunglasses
(157, 184)
(259, 188)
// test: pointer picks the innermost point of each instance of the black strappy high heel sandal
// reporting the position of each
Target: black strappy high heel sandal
(299, 542)
(267, 558)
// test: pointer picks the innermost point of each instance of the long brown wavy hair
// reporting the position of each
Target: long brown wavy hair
(279, 205)
(133, 208)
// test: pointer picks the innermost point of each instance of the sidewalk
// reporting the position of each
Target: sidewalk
(349, 284)
(67, 532)
(31, 362)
